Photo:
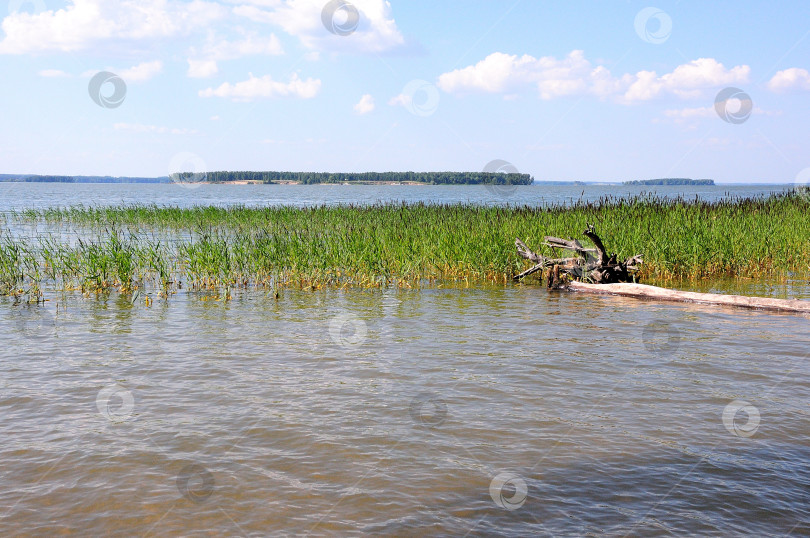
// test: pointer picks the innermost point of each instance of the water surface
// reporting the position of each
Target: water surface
(497, 411)
(44, 195)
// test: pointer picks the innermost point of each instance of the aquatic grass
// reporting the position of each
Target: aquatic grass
(125, 247)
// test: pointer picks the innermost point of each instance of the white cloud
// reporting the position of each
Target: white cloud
(141, 128)
(265, 87)
(376, 31)
(84, 23)
(204, 62)
(494, 74)
(253, 13)
(251, 44)
(794, 78)
(499, 73)
(202, 68)
(687, 117)
(401, 100)
(137, 73)
(141, 72)
(686, 80)
(574, 74)
(54, 73)
(691, 116)
(365, 105)
(690, 113)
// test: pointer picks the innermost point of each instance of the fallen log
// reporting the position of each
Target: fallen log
(603, 274)
(645, 291)
(584, 265)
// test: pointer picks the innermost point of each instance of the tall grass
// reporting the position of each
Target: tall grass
(132, 247)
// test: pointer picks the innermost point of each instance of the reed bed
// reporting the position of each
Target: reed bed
(133, 249)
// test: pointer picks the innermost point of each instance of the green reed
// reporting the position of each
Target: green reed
(138, 247)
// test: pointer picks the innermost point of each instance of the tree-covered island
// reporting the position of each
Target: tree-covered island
(308, 178)
(670, 181)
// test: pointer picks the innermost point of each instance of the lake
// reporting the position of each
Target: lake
(39, 195)
(503, 410)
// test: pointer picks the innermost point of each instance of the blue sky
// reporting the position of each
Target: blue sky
(594, 91)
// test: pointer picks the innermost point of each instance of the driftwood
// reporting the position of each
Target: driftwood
(662, 294)
(601, 273)
(599, 269)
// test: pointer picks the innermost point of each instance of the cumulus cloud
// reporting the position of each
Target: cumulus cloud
(202, 68)
(141, 72)
(84, 23)
(690, 113)
(401, 100)
(494, 74)
(250, 44)
(688, 117)
(254, 13)
(574, 74)
(686, 81)
(376, 32)
(500, 73)
(265, 87)
(203, 62)
(794, 78)
(137, 73)
(365, 105)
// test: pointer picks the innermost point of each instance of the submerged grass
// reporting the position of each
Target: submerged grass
(130, 248)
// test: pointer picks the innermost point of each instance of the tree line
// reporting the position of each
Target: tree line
(671, 181)
(307, 178)
(35, 178)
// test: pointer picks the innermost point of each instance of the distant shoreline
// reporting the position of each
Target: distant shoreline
(258, 182)
(165, 180)
(670, 181)
(289, 178)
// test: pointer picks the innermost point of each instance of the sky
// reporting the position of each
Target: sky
(573, 90)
